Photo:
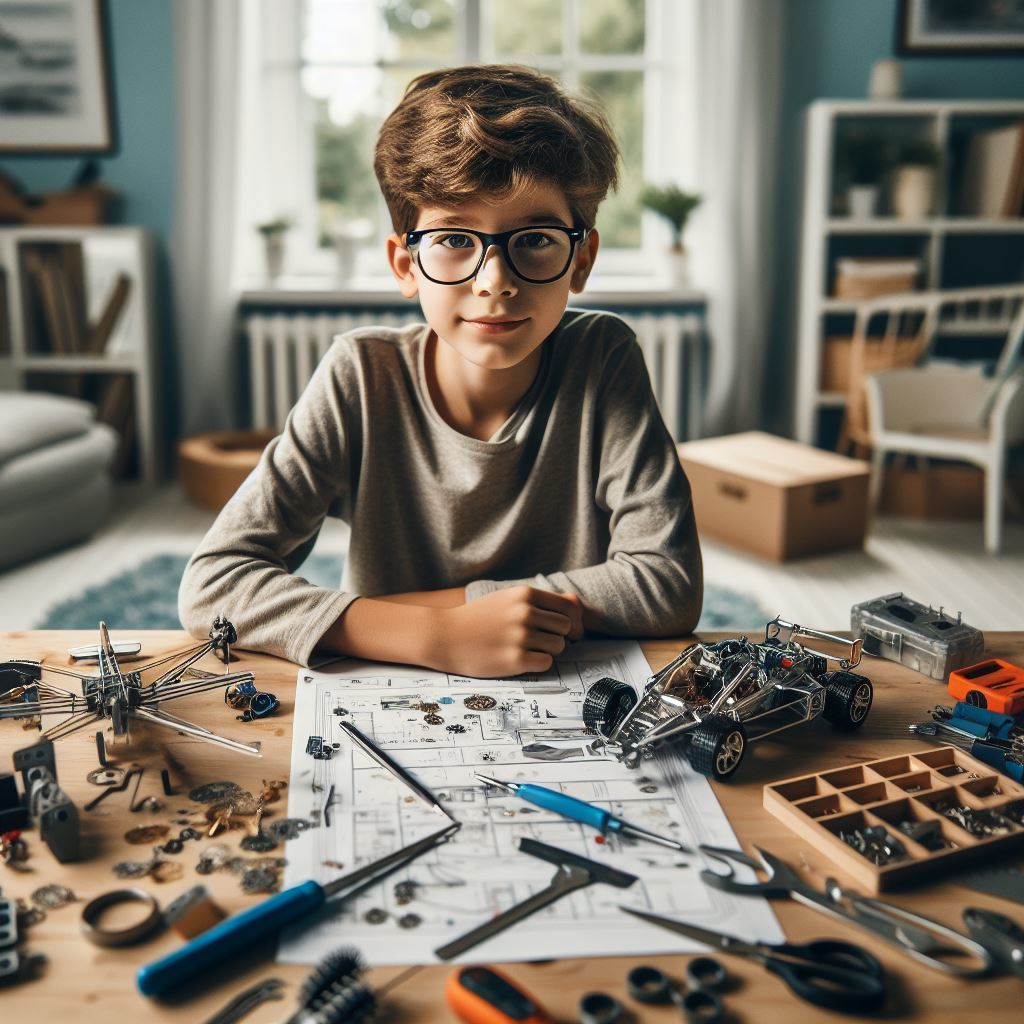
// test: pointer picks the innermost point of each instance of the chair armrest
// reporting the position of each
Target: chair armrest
(1006, 422)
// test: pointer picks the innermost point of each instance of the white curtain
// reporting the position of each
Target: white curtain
(209, 43)
(738, 56)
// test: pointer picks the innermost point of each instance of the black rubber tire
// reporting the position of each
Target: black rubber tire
(976, 699)
(848, 699)
(712, 743)
(606, 704)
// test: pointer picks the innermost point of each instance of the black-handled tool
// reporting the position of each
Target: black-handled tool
(574, 872)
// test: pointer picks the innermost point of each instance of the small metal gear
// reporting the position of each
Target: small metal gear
(433, 719)
(480, 702)
(53, 897)
(410, 921)
(260, 880)
(375, 915)
(260, 843)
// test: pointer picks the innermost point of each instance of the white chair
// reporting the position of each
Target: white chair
(950, 410)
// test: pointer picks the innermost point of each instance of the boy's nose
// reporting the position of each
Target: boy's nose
(495, 275)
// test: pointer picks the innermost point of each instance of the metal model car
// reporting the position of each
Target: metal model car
(713, 700)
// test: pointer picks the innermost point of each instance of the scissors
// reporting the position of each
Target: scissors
(826, 972)
(999, 933)
(926, 941)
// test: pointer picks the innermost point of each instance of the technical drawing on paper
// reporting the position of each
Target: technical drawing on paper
(444, 728)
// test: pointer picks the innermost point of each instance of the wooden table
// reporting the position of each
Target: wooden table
(84, 983)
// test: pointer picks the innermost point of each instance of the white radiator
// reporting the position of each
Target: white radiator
(284, 349)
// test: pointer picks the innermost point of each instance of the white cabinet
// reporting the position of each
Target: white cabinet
(955, 248)
(76, 318)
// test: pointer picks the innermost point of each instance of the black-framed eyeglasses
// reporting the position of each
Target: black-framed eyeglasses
(538, 254)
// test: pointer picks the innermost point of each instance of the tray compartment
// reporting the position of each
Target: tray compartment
(892, 766)
(949, 762)
(916, 782)
(826, 806)
(980, 792)
(800, 789)
(872, 793)
(919, 829)
(845, 778)
(877, 833)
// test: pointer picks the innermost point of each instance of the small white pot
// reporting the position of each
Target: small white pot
(678, 268)
(863, 201)
(273, 251)
(913, 192)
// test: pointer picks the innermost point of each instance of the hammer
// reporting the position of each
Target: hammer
(574, 872)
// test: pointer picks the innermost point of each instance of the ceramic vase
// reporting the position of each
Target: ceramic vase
(863, 201)
(273, 251)
(913, 192)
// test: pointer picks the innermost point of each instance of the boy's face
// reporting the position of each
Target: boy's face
(495, 320)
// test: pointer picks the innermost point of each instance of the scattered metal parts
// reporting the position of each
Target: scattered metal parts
(455, 729)
(649, 789)
(213, 858)
(433, 719)
(875, 844)
(247, 1001)
(410, 921)
(107, 790)
(271, 792)
(260, 880)
(189, 834)
(340, 711)
(480, 702)
(319, 750)
(172, 846)
(98, 935)
(405, 891)
(288, 828)
(214, 792)
(927, 834)
(327, 806)
(144, 835)
(165, 781)
(29, 916)
(546, 752)
(985, 822)
(53, 897)
(262, 842)
(101, 749)
(111, 775)
(133, 868)
(167, 871)
(261, 705)
(375, 915)
(428, 707)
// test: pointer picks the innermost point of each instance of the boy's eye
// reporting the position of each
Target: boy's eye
(532, 240)
(455, 241)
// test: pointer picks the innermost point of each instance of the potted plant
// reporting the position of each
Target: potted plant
(914, 178)
(273, 232)
(861, 159)
(675, 206)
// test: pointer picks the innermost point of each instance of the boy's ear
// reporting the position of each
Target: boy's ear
(583, 262)
(400, 261)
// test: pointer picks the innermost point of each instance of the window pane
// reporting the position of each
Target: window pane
(348, 108)
(416, 29)
(337, 29)
(622, 94)
(527, 27)
(612, 26)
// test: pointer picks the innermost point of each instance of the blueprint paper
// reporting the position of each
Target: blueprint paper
(423, 721)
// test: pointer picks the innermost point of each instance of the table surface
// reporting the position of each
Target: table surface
(87, 983)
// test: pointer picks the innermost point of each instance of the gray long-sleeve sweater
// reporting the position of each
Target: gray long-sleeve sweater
(579, 491)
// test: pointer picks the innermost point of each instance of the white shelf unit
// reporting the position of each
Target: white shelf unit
(108, 254)
(941, 122)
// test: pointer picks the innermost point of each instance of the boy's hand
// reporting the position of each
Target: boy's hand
(511, 631)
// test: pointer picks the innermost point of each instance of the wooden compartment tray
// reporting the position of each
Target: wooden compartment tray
(916, 787)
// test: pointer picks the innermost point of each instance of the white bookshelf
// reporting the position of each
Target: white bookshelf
(825, 229)
(130, 348)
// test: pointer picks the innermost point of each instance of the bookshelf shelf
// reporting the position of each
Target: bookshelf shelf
(955, 249)
(76, 318)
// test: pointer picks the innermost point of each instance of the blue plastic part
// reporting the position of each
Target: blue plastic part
(569, 807)
(991, 724)
(230, 937)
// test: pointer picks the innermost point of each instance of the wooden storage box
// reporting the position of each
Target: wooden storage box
(869, 278)
(774, 497)
(917, 788)
(878, 356)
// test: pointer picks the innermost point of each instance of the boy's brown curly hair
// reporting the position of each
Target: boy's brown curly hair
(495, 130)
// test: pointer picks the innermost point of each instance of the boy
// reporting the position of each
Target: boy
(504, 469)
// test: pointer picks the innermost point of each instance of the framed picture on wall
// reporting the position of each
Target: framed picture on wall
(55, 77)
(960, 27)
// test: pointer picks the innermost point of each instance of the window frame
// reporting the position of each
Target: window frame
(287, 184)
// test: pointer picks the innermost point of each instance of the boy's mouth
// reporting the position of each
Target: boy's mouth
(495, 324)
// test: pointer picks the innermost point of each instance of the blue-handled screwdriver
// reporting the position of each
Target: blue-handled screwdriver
(579, 810)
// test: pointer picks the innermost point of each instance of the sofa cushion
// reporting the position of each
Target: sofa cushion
(56, 467)
(30, 420)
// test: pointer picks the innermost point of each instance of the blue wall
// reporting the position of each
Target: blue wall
(829, 47)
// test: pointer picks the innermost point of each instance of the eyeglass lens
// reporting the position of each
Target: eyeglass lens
(536, 254)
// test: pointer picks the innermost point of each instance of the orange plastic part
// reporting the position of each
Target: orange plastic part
(994, 684)
(482, 995)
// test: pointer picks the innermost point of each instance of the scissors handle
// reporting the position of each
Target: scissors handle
(835, 975)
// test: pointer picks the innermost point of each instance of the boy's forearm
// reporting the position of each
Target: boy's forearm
(382, 629)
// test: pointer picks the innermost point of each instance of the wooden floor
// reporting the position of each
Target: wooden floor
(941, 563)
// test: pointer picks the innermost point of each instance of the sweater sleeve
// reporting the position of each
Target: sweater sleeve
(651, 583)
(243, 568)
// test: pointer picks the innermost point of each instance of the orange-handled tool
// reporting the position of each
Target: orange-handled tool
(482, 995)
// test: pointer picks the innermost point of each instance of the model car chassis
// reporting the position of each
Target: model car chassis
(713, 700)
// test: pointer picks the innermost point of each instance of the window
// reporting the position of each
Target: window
(334, 69)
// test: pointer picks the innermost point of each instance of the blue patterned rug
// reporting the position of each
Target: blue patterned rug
(146, 597)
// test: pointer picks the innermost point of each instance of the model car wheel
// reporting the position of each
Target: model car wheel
(717, 747)
(848, 700)
(607, 703)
